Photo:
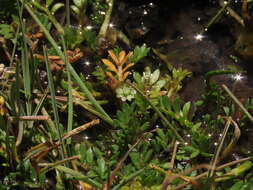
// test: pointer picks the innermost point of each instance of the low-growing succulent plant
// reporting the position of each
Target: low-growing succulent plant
(125, 92)
(150, 82)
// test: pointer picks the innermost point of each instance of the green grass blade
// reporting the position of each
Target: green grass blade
(71, 69)
(37, 108)
(53, 101)
(25, 64)
(70, 96)
(80, 176)
(67, 13)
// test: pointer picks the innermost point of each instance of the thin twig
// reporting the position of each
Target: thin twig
(80, 129)
(104, 27)
(206, 173)
(215, 160)
(120, 163)
(30, 118)
(167, 179)
(237, 102)
(214, 19)
(232, 13)
(51, 166)
(231, 145)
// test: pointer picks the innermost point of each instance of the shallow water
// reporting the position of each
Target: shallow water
(177, 32)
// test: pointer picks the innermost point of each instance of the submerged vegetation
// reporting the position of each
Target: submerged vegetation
(84, 104)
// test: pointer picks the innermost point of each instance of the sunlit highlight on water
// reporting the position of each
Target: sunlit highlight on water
(238, 77)
(199, 37)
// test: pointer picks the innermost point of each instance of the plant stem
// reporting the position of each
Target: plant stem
(216, 169)
(53, 165)
(237, 102)
(214, 19)
(129, 178)
(215, 160)
(67, 13)
(104, 27)
(210, 74)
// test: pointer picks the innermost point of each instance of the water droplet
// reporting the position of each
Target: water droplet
(111, 25)
(102, 12)
(145, 12)
(89, 27)
(151, 4)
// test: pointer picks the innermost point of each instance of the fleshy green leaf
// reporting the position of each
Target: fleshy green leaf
(82, 152)
(154, 76)
(135, 157)
(139, 53)
(89, 156)
(56, 7)
(49, 2)
(186, 109)
(7, 31)
(101, 167)
(75, 9)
